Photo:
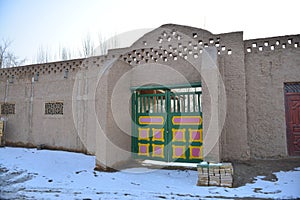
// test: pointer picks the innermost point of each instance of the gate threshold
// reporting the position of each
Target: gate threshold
(155, 163)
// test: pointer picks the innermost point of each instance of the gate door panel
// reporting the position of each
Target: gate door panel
(186, 127)
(150, 128)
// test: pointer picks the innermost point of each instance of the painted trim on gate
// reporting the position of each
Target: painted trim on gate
(192, 138)
(146, 153)
(156, 153)
(161, 132)
(166, 87)
(151, 120)
(186, 120)
(140, 134)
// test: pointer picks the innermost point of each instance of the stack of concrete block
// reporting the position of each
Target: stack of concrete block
(226, 173)
(215, 174)
(202, 176)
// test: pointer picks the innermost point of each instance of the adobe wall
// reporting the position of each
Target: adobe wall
(29, 126)
(270, 62)
(234, 145)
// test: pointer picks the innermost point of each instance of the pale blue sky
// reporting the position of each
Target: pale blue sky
(51, 23)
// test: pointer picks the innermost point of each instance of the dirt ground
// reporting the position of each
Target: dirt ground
(245, 171)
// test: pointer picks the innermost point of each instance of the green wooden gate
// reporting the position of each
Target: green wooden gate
(167, 123)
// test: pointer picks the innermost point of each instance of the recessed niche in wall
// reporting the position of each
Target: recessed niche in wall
(272, 47)
(266, 44)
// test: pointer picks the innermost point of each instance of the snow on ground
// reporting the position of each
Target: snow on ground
(45, 174)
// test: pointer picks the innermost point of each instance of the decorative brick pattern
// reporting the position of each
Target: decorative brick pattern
(271, 44)
(8, 108)
(54, 108)
(215, 175)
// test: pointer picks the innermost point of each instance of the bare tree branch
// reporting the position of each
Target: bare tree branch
(105, 44)
(7, 58)
(43, 55)
(88, 46)
(65, 53)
